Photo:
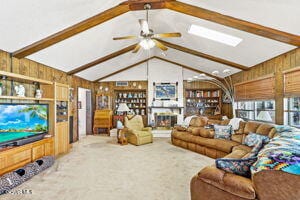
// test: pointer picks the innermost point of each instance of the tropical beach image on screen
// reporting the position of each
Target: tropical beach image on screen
(165, 91)
(18, 121)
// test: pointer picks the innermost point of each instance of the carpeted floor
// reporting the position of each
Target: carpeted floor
(98, 168)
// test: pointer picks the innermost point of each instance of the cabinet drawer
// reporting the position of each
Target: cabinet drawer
(19, 157)
(38, 152)
(3, 162)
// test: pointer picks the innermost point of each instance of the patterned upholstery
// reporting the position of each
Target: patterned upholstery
(9, 181)
(45, 162)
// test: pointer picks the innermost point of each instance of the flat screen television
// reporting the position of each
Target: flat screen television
(22, 123)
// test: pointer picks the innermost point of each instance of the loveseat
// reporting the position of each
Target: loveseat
(212, 183)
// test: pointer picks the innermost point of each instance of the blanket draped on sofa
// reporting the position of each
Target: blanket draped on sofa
(282, 153)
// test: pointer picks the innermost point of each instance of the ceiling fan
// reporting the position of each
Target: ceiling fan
(147, 36)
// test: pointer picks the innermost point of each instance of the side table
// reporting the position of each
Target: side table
(121, 137)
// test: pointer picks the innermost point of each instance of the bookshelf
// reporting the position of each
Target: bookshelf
(203, 102)
(136, 101)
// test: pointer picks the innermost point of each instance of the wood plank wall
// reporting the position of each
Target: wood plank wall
(275, 65)
(37, 70)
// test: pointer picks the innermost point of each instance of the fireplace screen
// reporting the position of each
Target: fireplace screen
(166, 120)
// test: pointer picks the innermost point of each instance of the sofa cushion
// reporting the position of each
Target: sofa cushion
(222, 132)
(237, 154)
(251, 127)
(239, 166)
(241, 128)
(264, 129)
(242, 147)
(237, 138)
(234, 184)
(180, 128)
(141, 133)
(252, 139)
(224, 145)
(207, 133)
(198, 121)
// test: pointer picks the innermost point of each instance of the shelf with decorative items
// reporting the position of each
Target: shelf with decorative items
(136, 101)
(20, 87)
(203, 102)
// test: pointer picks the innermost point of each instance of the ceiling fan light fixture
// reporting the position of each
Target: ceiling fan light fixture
(147, 43)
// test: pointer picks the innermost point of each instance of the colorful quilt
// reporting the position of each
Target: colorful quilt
(282, 153)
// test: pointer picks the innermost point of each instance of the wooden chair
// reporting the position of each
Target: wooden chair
(102, 119)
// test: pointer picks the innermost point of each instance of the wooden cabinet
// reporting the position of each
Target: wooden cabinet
(61, 122)
(17, 157)
(62, 138)
(102, 119)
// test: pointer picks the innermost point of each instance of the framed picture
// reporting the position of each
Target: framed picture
(165, 91)
(102, 102)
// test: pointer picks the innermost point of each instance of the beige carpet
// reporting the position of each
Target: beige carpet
(98, 168)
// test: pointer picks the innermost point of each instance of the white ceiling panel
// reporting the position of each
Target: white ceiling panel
(91, 44)
(196, 62)
(24, 22)
(113, 65)
(277, 14)
(251, 51)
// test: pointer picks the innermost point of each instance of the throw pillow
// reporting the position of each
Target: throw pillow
(236, 166)
(222, 132)
(252, 139)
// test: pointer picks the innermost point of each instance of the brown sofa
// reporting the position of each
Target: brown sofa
(212, 183)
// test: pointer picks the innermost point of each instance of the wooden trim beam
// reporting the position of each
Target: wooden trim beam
(101, 60)
(139, 4)
(233, 22)
(123, 69)
(72, 30)
(188, 67)
(203, 55)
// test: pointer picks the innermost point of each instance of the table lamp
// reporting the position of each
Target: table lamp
(122, 108)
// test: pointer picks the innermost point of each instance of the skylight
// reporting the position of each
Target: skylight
(214, 35)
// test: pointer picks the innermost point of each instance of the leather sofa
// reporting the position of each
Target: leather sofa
(212, 183)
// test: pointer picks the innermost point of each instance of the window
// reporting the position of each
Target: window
(256, 110)
(292, 111)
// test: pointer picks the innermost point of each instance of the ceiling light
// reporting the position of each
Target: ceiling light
(215, 73)
(214, 35)
(147, 43)
(195, 77)
(202, 75)
(227, 71)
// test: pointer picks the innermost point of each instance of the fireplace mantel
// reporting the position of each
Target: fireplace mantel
(172, 108)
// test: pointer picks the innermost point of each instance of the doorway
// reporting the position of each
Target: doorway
(84, 112)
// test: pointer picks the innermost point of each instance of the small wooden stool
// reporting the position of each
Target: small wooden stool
(121, 137)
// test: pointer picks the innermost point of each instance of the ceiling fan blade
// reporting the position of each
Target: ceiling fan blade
(144, 26)
(166, 35)
(125, 37)
(160, 45)
(137, 48)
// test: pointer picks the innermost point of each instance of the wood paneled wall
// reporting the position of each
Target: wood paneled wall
(37, 70)
(275, 65)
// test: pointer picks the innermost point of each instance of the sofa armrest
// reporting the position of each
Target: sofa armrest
(179, 128)
(231, 183)
(147, 129)
(276, 185)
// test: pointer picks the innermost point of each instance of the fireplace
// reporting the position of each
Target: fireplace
(165, 120)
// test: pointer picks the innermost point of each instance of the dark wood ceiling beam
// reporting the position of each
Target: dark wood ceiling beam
(139, 4)
(101, 60)
(123, 69)
(72, 30)
(233, 22)
(203, 55)
(187, 67)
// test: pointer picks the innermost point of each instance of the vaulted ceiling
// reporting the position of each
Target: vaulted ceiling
(268, 28)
